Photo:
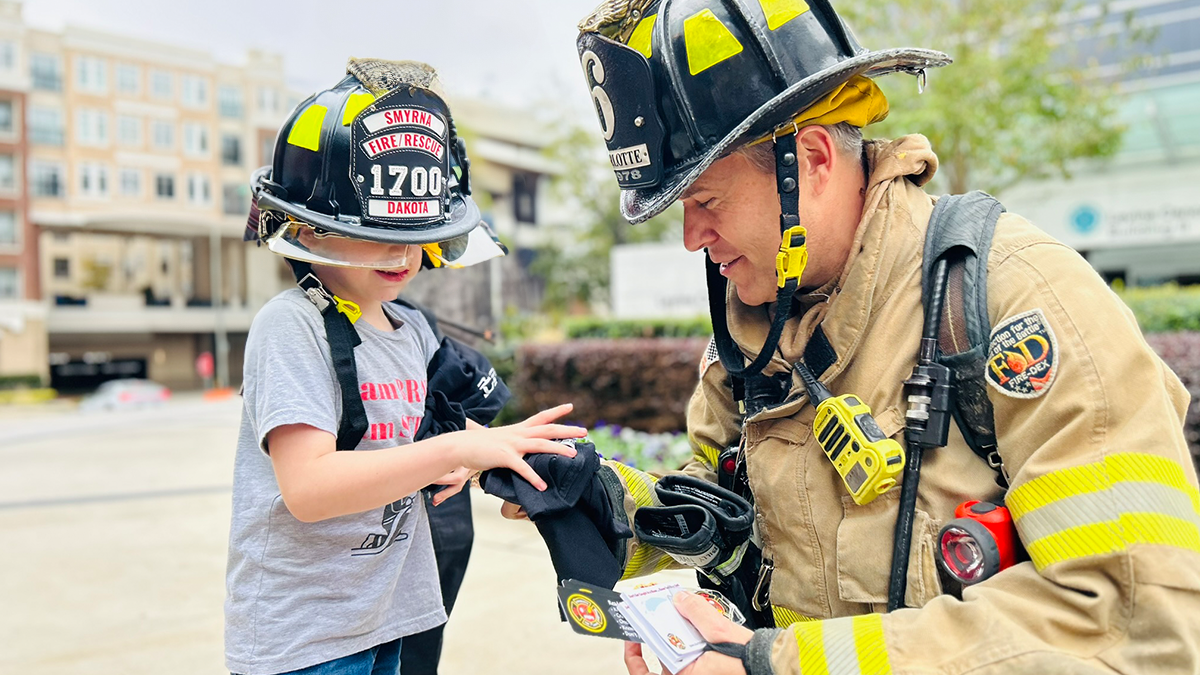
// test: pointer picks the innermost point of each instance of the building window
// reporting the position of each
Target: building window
(164, 135)
(46, 72)
(8, 173)
(131, 182)
(7, 123)
(235, 199)
(91, 74)
(231, 150)
(164, 186)
(194, 91)
(46, 126)
(129, 79)
(199, 192)
(62, 268)
(230, 101)
(161, 85)
(8, 55)
(195, 140)
(46, 180)
(10, 283)
(266, 149)
(91, 126)
(524, 196)
(129, 130)
(9, 236)
(93, 180)
(268, 99)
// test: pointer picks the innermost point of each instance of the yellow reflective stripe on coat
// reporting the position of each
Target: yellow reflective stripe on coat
(708, 454)
(1106, 507)
(785, 617)
(851, 645)
(639, 484)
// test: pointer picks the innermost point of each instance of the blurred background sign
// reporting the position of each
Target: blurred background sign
(657, 280)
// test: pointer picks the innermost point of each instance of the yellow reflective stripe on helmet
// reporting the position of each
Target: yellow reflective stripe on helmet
(785, 617)
(639, 484)
(851, 645)
(708, 41)
(354, 105)
(640, 40)
(779, 12)
(306, 130)
(1106, 507)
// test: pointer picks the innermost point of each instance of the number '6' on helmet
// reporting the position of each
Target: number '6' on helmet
(677, 84)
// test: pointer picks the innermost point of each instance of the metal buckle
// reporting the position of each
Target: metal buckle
(315, 290)
(760, 600)
(776, 132)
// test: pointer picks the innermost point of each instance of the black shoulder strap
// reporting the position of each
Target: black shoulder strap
(960, 231)
(342, 340)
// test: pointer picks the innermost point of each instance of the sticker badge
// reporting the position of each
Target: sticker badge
(586, 613)
(1023, 356)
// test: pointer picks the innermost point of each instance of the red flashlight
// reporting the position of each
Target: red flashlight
(978, 543)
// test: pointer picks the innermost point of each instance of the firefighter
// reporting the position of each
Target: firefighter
(750, 112)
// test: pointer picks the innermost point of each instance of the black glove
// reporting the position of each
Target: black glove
(700, 524)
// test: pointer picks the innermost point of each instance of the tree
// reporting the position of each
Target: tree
(1022, 99)
(575, 263)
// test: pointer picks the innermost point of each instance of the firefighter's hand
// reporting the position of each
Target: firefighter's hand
(712, 626)
(513, 511)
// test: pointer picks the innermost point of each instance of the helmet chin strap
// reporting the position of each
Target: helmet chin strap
(789, 267)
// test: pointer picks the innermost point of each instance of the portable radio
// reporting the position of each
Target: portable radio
(866, 459)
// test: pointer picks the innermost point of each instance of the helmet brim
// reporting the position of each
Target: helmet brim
(463, 216)
(639, 205)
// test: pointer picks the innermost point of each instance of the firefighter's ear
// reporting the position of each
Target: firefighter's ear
(818, 155)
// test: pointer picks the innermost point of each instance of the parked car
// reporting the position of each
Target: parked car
(124, 395)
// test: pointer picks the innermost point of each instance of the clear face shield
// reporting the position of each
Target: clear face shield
(301, 241)
(478, 245)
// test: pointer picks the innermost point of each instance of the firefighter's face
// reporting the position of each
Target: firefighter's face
(733, 211)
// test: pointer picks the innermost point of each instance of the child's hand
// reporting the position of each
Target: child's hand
(454, 482)
(504, 447)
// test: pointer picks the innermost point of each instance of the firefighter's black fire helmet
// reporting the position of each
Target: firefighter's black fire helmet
(677, 84)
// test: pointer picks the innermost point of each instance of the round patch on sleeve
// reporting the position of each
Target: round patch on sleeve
(1023, 356)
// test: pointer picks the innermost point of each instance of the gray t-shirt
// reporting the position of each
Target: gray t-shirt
(299, 594)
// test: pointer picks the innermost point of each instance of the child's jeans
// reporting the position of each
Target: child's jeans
(381, 660)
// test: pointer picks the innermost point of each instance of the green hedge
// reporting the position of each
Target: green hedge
(596, 327)
(20, 381)
(1164, 309)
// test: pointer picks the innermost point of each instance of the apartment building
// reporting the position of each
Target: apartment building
(138, 164)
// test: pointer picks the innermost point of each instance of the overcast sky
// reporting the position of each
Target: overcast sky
(520, 52)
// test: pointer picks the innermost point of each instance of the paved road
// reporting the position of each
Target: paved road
(113, 532)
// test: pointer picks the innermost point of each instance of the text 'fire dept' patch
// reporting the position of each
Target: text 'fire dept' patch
(1023, 356)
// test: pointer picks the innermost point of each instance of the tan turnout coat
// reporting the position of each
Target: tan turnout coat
(1103, 489)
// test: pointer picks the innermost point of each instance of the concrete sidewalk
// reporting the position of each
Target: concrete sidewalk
(113, 533)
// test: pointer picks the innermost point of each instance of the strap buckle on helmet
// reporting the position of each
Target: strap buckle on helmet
(793, 255)
(323, 299)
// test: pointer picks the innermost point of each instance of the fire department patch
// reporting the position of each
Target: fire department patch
(1023, 356)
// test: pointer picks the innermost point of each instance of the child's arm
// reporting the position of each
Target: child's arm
(318, 482)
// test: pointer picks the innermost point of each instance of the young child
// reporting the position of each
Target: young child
(330, 559)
